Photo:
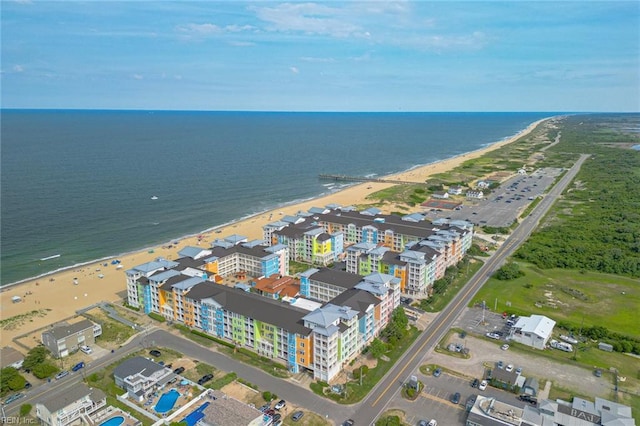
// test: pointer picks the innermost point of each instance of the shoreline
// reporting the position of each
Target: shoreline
(106, 283)
(507, 139)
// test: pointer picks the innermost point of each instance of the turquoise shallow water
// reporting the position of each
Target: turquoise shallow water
(79, 184)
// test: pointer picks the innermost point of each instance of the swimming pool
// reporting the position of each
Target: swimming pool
(113, 421)
(167, 401)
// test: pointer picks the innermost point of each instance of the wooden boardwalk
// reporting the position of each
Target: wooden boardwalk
(345, 178)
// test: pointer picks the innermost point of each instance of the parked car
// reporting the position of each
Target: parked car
(154, 352)
(27, 385)
(86, 349)
(504, 347)
(348, 422)
(297, 415)
(62, 374)
(492, 335)
(423, 423)
(455, 398)
(519, 370)
(437, 372)
(500, 365)
(13, 397)
(432, 422)
(178, 370)
(264, 408)
(475, 383)
(483, 385)
(204, 379)
(78, 366)
(528, 398)
(280, 404)
(509, 368)
(276, 417)
(597, 372)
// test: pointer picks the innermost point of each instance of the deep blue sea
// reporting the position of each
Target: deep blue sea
(79, 183)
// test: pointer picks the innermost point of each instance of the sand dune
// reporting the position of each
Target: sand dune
(96, 282)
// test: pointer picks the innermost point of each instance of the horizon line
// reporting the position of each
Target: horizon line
(316, 111)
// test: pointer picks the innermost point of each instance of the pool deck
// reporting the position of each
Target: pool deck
(111, 412)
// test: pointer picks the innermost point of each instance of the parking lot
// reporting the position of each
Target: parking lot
(503, 205)
(434, 401)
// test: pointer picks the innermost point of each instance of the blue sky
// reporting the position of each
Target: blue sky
(322, 56)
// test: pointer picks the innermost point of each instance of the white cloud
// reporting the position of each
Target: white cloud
(138, 76)
(199, 29)
(241, 43)
(18, 68)
(238, 28)
(294, 70)
(310, 18)
(315, 59)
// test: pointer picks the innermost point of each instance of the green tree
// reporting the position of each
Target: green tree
(11, 380)
(377, 348)
(509, 271)
(35, 356)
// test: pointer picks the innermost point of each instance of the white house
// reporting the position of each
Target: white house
(141, 377)
(479, 195)
(534, 331)
(455, 190)
(69, 406)
(440, 195)
(9, 357)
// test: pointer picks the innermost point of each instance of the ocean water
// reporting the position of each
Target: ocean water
(80, 183)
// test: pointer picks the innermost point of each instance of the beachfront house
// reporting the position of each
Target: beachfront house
(534, 331)
(223, 410)
(65, 339)
(475, 195)
(72, 405)
(10, 357)
(455, 190)
(140, 377)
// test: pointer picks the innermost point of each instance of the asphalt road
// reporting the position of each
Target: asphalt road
(376, 402)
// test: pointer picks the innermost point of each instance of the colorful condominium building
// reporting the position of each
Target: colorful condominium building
(408, 247)
(320, 337)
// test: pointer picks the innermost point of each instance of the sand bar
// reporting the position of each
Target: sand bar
(61, 297)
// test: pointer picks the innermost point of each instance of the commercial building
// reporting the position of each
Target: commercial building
(65, 339)
(534, 331)
(489, 411)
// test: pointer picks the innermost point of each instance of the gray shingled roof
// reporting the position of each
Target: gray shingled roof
(227, 411)
(135, 365)
(358, 300)
(55, 401)
(252, 305)
(62, 331)
(336, 277)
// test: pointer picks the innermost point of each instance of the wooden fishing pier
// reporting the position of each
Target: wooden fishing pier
(345, 178)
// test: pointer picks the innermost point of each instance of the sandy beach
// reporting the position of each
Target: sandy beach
(61, 297)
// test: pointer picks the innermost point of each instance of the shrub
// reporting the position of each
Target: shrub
(25, 409)
(157, 317)
(268, 396)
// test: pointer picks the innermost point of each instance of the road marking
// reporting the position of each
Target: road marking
(474, 283)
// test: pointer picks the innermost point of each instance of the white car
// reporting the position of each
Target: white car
(432, 422)
(483, 385)
(509, 368)
(85, 349)
(504, 347)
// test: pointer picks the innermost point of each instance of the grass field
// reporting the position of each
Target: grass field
(581, 298)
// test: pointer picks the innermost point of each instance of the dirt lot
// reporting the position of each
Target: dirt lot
(488, 351)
